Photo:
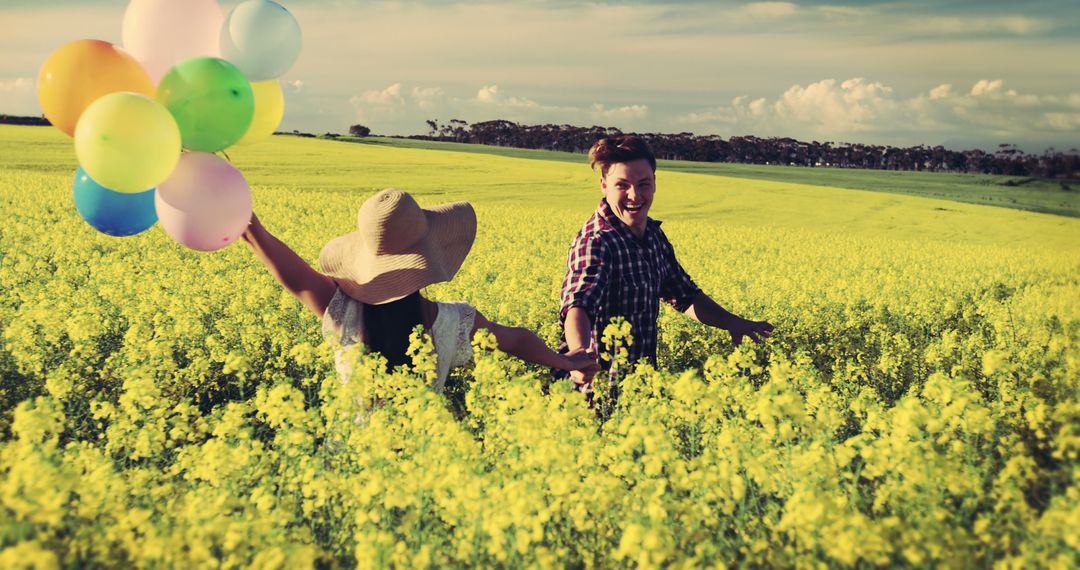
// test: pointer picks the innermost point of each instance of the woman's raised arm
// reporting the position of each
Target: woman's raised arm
(310, 287)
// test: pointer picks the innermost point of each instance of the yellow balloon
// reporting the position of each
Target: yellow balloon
(127, 142)
(269, 108)
(79, 72)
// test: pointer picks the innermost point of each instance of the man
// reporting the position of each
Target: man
(621, 264)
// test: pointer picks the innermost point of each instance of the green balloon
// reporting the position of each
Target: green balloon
(211, 100)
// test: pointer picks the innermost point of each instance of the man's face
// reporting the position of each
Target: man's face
(628, 188)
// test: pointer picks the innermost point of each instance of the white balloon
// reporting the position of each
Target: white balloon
(162, 33)
(261, 38)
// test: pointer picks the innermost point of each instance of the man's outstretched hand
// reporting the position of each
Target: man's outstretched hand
(756, 330)
(707, 312)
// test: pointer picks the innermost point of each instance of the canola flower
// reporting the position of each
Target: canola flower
(165, 408)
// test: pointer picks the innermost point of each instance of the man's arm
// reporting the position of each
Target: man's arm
(681, 292)
(707, 312)
(583, 287)
(578, 331)
(310, 287)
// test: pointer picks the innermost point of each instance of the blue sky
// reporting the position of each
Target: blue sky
(958, 72)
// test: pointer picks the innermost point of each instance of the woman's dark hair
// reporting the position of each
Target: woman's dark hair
(389, 325)
(624, 149)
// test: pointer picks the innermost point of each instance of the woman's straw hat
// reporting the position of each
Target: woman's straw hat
(399, 247)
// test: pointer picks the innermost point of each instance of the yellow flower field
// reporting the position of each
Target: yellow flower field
(918, 406)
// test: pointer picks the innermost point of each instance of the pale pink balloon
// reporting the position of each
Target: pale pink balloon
(162, 33)
(205, 204)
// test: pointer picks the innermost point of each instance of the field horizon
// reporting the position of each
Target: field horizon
(743, 195)
(1053, 196)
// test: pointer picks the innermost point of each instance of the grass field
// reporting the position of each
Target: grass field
(917, 407)
(1049, 196)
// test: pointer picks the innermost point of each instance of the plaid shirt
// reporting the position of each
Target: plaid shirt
(609, 273)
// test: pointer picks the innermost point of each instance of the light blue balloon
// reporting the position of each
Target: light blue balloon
(261, 38)
(114, 213)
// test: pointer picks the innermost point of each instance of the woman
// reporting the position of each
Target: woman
(369, 289)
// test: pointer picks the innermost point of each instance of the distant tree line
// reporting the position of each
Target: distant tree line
(1007, 159)
(16, 120)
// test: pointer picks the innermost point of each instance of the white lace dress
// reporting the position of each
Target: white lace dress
(343, 322)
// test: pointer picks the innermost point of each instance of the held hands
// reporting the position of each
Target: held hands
(582, 365)
(582, 362)
(756, 330)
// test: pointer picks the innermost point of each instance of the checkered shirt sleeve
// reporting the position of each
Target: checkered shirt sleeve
(587, 267)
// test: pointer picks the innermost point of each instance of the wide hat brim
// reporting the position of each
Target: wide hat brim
(375, 278)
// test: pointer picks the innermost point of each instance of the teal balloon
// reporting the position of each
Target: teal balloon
(211, 100)
(114, 213)
(262, 38)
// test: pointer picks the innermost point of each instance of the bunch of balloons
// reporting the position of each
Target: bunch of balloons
(147, 119)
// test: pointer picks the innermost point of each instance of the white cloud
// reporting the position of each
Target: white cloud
(1063, 121)
(842, 11)
(624, 113)
(1016, 25)
(389, 96)
(941, 91)
(522, 103)
(490, 94)
(852, 106)
(770, 9)
(379, 104)
(858, 110)
(18, 96)
(17, 85)
(757, 107)
(987, 87)
(719, 116)
(427, 98)
(383, 109)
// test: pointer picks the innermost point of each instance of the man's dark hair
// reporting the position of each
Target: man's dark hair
(613, 150)
(388, 328)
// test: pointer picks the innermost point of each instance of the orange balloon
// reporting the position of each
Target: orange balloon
(79, 73)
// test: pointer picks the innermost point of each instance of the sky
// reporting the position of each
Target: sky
(962, 73)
